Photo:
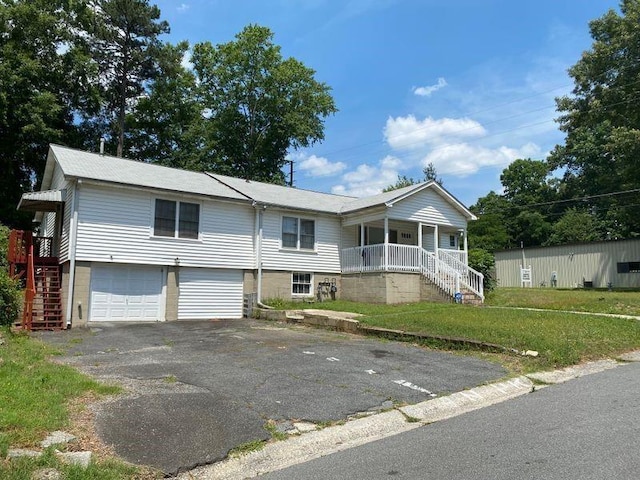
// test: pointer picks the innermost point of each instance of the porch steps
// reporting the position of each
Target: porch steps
(468, 297)
(45, 309)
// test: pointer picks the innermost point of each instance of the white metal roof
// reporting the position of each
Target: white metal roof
(93, 166)
(42, 201)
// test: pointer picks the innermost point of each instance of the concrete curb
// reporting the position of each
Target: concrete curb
(466, 401)
(295, 450)
(280, 455)
(569, 373)
(300, 449)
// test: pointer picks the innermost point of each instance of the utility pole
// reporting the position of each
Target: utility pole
(290, 162)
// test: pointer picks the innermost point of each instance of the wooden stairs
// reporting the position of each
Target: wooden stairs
(29, 259)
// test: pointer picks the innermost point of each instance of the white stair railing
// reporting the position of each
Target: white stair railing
(441, 274)
(470, 279)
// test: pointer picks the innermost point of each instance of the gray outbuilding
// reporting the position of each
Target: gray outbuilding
(594, 264)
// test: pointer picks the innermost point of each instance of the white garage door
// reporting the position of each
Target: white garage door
(126, 292)
(209, 293)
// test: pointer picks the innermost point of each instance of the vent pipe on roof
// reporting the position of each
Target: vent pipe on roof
(101, 145)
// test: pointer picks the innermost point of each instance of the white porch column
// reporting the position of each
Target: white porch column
(386, 243)
(436, 245)
(466, 248)
(362, 234)
(420, 246)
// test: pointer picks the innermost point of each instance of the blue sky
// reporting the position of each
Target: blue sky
(466, 84)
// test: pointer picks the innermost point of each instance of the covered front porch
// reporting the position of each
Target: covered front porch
(392, 245)
(438, 253)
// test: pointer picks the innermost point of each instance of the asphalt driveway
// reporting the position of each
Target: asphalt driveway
(194, 390)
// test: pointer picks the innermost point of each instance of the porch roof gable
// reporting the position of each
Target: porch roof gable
(387, 199)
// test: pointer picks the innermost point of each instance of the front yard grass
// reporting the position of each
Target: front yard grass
(561, 338)
(35, 396)
(622, 302)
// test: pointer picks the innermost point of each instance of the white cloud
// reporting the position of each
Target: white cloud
(314, 166)
(409, 133)
(462, 159)
(183, 7)
(428, 90)
(369, 180)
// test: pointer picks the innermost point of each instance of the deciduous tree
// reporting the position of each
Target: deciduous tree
(124, 44)
(601, 119)
(257, 105)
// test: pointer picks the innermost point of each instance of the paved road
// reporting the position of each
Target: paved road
(198, 389)
(588, 428)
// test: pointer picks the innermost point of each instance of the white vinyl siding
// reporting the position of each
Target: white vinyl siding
(117, 226)
(427, 206)
(66, 224)
(325, 257)
(126, 293)
(209, 293)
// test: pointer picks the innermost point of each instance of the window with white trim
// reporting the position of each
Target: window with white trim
(176, 219)
(301, 283)
(298, 233)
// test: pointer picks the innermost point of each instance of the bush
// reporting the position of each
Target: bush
(484, 262)
(10, 291)
(4, 245)
(10, 298)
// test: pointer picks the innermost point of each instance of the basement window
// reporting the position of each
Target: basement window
(301, 283)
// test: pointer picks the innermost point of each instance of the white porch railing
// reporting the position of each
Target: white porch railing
(371, 258)
(444, 269)
(460, 255)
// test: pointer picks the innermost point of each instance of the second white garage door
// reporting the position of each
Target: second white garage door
(209, 293)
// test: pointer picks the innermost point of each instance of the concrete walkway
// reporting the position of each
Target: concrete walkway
(611, 315)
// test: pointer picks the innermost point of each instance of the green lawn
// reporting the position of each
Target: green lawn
(34, 401)
(625, 302)
(560, 338)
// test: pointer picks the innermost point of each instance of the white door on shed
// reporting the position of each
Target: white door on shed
(126, 292)
(209, 293)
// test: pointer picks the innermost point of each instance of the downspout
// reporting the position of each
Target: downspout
(258, 239)
(73, 226)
